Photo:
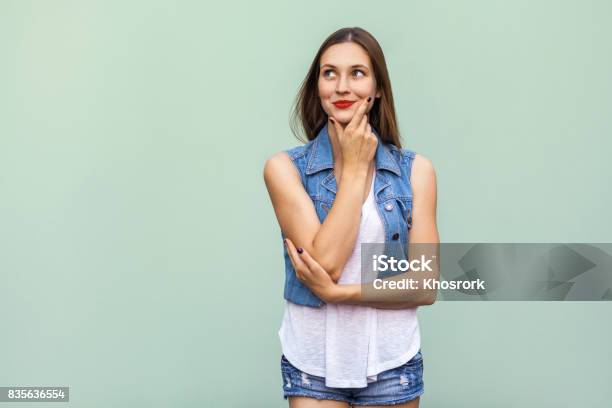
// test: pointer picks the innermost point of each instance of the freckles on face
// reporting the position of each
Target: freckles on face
(345, 73)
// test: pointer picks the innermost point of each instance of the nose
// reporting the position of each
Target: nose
(342, 85)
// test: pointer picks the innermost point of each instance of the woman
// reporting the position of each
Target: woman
(351, 183)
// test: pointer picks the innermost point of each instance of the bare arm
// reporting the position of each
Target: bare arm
(424, 230)
(424, 227)
(332, 242)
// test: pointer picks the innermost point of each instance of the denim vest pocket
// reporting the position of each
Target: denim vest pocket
(405, 204)
(395, 211)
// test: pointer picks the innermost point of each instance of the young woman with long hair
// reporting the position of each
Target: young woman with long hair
(350, 183)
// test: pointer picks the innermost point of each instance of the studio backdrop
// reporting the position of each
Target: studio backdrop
(140, 257)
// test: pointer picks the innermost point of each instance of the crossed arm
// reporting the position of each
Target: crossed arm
(327, 246)
(332, 242)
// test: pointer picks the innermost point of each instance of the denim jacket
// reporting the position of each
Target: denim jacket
(392, 189)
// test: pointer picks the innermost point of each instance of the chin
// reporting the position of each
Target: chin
(344, 115)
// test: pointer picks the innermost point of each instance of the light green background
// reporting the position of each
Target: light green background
(140, 259)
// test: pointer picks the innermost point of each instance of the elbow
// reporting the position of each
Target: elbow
(428, 302)
(335, 273)
(331, 266)
(429, 298)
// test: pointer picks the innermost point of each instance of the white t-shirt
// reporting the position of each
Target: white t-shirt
(350, 344)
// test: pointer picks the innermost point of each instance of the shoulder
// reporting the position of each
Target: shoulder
(301, 152)
(402, 155)
(277, 160)
(285, 165)
(423, 166)
(423, 175)
(277, 165)
(295, 157)
(419, 167)
(416, 162)
(282, 176)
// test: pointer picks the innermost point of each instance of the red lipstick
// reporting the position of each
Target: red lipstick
(343, 104)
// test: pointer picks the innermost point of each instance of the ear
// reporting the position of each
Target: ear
(378, 94)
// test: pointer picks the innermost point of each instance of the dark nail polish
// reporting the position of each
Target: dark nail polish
(300, 250)
(369, 98)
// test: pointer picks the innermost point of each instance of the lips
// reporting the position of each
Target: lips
(343, 104)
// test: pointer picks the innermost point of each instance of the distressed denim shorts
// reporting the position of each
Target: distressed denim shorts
(394, 386)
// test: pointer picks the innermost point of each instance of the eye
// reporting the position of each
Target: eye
(329, 73)
(326, 72)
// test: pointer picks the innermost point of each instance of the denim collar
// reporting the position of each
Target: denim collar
(322, 156)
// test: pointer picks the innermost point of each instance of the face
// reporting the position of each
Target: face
(345, 74)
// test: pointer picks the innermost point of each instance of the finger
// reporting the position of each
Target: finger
(359, 113)
(363, 125)
(309, 261)
(371, 134)
(339, 130)
(293, 255)
(292, 262)
(373, 140)
(299, 272)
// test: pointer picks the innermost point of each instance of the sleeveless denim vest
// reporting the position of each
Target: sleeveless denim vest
(392, 190)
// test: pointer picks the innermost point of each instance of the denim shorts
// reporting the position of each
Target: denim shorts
(395, 386)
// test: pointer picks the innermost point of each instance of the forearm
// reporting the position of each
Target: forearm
(335, 240)
(353, 294)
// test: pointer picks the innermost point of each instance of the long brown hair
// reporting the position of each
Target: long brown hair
(308, 116)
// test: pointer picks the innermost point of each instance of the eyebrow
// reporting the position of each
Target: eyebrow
(352, 66)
